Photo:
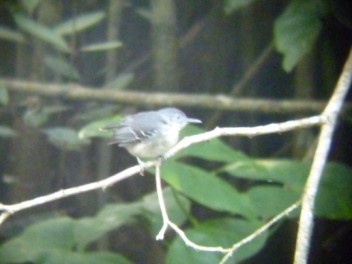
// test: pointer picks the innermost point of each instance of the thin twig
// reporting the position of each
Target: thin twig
(193, 245)
(167, 222)
(330, 114)
(103, 184)
(245, 131)
(159, 191)
(260, 230)
(229, 251)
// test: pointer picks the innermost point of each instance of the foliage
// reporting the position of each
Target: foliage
(65, 138)
(276, 184)
(209, 179)
(7, 132)
(62, 67)
(79, 23)
(297, 29)
(223, 231)
(295, 32)
(120, 82)
(233, 5)
(96, 128)
(30, 5)
(39, 116)
(66, 240)
(104, 46)
(57, 38)
(40, 31)
(11, 35)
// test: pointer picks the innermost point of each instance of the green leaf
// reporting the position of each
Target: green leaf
(38, 117)
(35, 118)
(94, 112)
(297, 29)
(233, 5)
(41, 31)
(37, 239)
(215, 149)
(11, 35)
(96, 128)
(62, 256)
(248, 169)
(121, 82)
(65, 138)
(145, 13)
(218, 232)
(207, 189)
(112, 216)
(54, 109)
(89, 229)
(6, 132)
(291, 173)
(79, 23)
(62, 67)
(334, 200)
(103, 46)
(271, 200)
(30, 5)
(52, 241)
(4, 95)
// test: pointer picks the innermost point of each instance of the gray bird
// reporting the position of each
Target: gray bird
(150, 134)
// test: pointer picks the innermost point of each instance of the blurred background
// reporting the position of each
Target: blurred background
(284, 57)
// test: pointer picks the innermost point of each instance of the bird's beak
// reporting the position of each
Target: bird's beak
(193, 120)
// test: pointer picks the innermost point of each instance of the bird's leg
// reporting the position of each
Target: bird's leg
(142, 166)
(163, 158)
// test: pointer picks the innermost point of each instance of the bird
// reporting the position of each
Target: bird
(150, 134)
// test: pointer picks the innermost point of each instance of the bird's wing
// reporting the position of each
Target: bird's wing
(136, 128)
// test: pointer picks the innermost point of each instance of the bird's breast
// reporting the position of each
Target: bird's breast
(156, 145)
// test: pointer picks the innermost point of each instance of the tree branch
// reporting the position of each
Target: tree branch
(209, 101)
(184, 143)
(8, 210)
(260, 230)
(245, 131)
(330, 114)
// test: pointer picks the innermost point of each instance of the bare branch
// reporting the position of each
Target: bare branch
(209, 101)
(159, 191)
(11, 209)
(167, 222)
(260, 231)
(229, 251)
(245, 131)
(330, 114)
(217, 132)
